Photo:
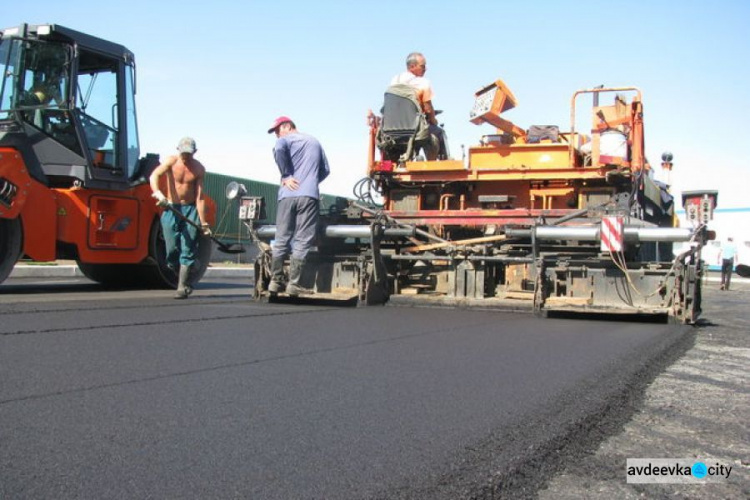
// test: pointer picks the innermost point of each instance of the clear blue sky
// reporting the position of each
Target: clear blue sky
(221, 71)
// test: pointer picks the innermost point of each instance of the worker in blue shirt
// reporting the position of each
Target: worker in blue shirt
(303, 165)
(728, 260)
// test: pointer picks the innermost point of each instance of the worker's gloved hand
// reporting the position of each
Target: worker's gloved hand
(206, 229)
(161, 200)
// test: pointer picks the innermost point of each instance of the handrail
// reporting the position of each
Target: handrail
(597, 91)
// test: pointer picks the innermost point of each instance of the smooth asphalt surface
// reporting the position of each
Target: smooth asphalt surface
(127, 394)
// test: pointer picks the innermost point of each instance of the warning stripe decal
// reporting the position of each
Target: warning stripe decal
(612, 234)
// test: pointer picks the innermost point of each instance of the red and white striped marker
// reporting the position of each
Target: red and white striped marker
(612, 234)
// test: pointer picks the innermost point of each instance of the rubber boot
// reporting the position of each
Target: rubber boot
(295, 273)
(277, 275)
(183, 286)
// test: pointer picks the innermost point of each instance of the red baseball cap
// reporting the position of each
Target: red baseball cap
(278, 122)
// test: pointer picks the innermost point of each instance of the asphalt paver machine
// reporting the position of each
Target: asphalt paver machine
(539, 217)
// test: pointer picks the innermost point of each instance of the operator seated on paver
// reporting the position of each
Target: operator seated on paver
(416, 66)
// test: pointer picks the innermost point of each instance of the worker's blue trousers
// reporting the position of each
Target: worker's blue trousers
(181, 238)
(296, 226)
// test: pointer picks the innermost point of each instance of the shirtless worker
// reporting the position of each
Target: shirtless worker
(185, 194)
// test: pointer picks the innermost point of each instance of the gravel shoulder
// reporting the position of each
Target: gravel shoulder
(698, 408)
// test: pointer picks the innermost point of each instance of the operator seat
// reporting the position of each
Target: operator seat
(404, 129)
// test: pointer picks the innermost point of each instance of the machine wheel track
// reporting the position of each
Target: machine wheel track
(11, 245)
(153, 271)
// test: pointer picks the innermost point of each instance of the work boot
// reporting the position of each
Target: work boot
(183, 285)
(295, 273)
(277, 275)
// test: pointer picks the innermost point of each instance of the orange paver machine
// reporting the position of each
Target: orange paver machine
(538, 217)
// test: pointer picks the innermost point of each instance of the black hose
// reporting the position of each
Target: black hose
(364, 190)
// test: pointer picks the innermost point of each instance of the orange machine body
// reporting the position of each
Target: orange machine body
(512, 176)
(105, 227)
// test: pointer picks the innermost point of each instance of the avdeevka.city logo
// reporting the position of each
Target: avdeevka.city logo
(675, 470)
(699, 470)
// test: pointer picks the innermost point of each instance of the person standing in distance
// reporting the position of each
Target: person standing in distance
(728, 260)
(303, 166)
(416, 67)
(185, 194)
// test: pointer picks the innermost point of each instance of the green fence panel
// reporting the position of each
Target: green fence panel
(228, 227)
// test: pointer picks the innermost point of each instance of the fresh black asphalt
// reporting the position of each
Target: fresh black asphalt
(128, 395)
